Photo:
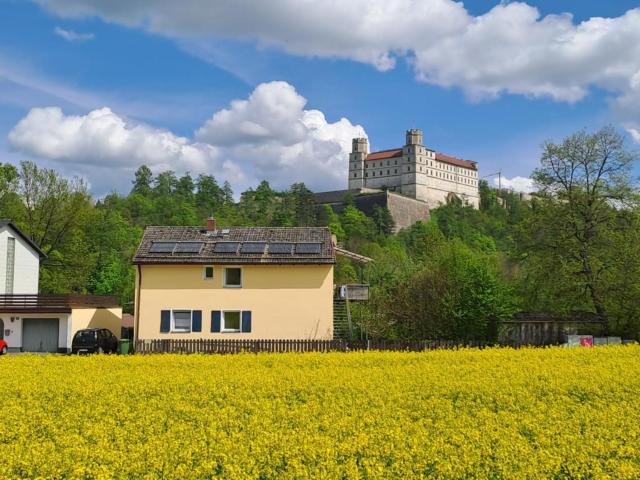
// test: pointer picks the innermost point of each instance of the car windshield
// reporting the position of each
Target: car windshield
(85, 337)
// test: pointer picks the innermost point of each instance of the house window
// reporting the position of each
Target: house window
(233, 277)
(11, 254)
(181, 321)
(208, 273)
(231, 321)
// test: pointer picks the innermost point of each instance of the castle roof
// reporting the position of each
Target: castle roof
(441, 157)
(395, 152)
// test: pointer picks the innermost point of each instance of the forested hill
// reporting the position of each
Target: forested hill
(575, 246)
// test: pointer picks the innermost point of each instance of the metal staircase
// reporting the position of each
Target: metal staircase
(341, 319)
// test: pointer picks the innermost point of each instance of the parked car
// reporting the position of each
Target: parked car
(3, 347)
(94, 340)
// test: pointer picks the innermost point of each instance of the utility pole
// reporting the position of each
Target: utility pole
(499, 174)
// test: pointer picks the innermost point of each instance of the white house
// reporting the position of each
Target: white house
(19, 261)
(42, 323)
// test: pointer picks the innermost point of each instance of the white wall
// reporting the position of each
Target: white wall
(14, 338)
(27, 263)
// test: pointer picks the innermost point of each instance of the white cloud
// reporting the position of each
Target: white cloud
(635, 134)
(509, 49)
(517, 184)
(71, 36)
(103, 138)
(267, 136)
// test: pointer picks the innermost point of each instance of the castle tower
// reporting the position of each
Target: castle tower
(414, 137)
(359, 151)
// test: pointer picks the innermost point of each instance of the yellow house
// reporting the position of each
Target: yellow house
(234, 283)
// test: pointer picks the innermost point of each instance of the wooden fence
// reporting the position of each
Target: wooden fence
(339, 345)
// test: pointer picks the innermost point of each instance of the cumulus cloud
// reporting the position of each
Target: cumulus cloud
(71, 36)
(269, 136)
(517, 184)
(104, 138)
(509, 49)
(371, 31)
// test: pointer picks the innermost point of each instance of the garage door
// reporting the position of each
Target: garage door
(40, 334)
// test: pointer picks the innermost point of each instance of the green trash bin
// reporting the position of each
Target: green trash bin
(123, 346)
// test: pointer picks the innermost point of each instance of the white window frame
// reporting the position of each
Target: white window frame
(204, 273)
(173, 323)
(224, 280)
(230, 330)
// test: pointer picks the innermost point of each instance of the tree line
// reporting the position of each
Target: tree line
(572, 247)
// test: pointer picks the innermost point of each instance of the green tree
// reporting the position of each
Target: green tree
(143, 181)
(584, 183)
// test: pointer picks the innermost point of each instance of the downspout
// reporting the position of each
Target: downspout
(136, 313)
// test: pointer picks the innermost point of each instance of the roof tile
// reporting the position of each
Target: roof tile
(207, 254)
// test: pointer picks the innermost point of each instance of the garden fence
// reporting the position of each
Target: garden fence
(338, 345)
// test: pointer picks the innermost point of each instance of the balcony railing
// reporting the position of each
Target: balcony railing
(54, 303)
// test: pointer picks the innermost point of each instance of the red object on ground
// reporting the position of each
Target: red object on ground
(586, 342)
(3, 347)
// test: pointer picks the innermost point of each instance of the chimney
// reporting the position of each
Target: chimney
(211, 224)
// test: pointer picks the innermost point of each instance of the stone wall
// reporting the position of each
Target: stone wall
(405, 211)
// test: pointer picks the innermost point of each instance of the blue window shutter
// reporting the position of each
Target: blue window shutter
(165, 321)
(246, 321)
(215, 321)
(196, 321)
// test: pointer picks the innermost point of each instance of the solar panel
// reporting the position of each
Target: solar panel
(308, 248)
(281, 248)
(188, 247)
(162, 247)
(226, 247)
(252, 247)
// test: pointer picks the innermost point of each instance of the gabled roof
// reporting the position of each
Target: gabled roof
(441, 157)
(456, 161)
(7, 223)
(196, 245)
(394, 152)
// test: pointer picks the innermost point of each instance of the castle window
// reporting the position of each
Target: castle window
(387, 163)
(388, 172)
(396, 162)
(355, 175)
(408, 169)
(366, 174)
(395, 170)
(374, 174)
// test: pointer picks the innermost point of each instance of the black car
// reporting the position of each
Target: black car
(94, 340)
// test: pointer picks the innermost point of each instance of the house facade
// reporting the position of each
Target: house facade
(234, 283)
(19, 261)
(42, 323)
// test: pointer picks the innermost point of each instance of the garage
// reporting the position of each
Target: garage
(40, 334)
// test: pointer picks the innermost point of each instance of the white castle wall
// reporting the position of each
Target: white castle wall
(416, 174)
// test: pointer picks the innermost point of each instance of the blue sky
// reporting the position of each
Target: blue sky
(94, 88)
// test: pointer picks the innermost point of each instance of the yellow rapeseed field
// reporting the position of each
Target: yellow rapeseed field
(496, 413)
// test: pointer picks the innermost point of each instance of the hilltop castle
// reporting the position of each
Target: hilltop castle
(407, 181)
(415, 171)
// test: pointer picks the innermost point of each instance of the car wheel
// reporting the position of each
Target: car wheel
(3, 351)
